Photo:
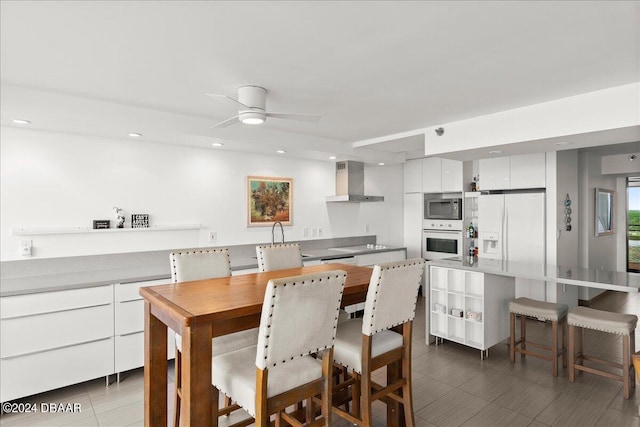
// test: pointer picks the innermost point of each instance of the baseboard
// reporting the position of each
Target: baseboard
(589, 303)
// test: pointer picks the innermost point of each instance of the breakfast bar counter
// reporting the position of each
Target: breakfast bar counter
(598, 278)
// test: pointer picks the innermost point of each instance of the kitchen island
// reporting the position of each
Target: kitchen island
(468, 298)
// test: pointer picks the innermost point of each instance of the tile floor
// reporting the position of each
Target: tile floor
(452, 387)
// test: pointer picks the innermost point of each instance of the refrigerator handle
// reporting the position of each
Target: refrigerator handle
(505, 225)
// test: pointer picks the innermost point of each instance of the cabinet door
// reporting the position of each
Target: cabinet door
(413, 176)
(38, 372)
(432, 175)
(381, 257)
(528, 171)
(412, 227)
(494, 173)
(451, 175)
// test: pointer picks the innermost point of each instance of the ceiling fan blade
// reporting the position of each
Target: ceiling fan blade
(230, 121)
(215, 95)
(293, 116)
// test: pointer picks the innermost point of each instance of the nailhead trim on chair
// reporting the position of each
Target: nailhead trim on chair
(174, 274)
(376, 293)
(271, 315)
(620, 318)
(262, 247)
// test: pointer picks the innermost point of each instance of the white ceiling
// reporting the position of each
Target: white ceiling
(370, 68)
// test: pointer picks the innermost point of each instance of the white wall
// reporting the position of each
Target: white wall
(63, 180)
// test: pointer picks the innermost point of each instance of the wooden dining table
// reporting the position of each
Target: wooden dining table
(203, 309)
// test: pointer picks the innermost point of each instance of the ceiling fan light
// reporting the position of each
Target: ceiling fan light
(252, 121)
(251, 117)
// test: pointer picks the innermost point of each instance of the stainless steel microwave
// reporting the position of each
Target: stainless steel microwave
(443, 209)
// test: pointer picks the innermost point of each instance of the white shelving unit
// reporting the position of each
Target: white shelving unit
(75, 230)
(482, 299)
(470, 216)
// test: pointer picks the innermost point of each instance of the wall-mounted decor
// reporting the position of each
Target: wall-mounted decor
(269, 199)
(140, 221)
(567, 213)
(604, 213)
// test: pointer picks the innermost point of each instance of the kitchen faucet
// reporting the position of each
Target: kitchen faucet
(273, 230)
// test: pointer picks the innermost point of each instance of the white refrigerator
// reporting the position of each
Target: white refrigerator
(511, 227)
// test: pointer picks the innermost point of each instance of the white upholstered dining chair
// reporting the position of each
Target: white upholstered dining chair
(366, 344)
(278, 257)
(196, 265)
(299, 317)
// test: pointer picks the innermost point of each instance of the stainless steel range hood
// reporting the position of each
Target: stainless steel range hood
(350, 184)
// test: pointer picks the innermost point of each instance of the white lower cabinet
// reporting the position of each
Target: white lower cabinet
(55, 339)
(469, 308)
(129, 326)
(381, 257)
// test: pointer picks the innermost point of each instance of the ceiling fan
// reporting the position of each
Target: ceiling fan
(253, 108)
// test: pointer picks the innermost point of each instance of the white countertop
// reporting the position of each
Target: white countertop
(589, 277)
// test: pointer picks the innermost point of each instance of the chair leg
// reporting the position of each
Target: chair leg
(632, 349)
(626, 359)
(580, 348)
(572, 354)
(512, 340)
(178, 386)
(355, 394)
(407, 397)
(554, 348)
(523, 335)
(564, 342)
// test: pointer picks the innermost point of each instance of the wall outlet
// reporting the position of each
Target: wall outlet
(366, 228)
(213, 236)
(305, 232)
(25, 247)
(314, 232)
(319, 231)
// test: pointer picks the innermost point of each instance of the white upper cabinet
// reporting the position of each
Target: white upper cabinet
(413, 176)
(528, 171)
(451, 175)
(432, 175)
(441, 175)
(512, 172)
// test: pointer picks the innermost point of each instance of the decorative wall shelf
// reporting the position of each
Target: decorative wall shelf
(76, 230)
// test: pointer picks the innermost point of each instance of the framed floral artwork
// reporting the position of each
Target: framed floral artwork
(269, 199)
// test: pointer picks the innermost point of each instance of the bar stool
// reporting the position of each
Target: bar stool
(556, 313)
(613, 323)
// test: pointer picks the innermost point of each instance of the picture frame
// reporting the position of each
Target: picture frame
(269, 200)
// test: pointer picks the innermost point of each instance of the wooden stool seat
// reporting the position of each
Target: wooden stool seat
(605, 321)
(547, 311)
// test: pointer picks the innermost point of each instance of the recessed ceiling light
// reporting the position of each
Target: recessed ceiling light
(21, 121)
(280, 151)
(332, 157)
(563, 143)
(135, 135)
(495, 151)
(217, 144)
(381, 164)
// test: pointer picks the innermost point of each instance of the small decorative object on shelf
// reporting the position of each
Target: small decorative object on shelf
(474, 184)
(119, 216)
(474, 315)
(101, 224)
(140, 221)
(440, 308)
(456, 312)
